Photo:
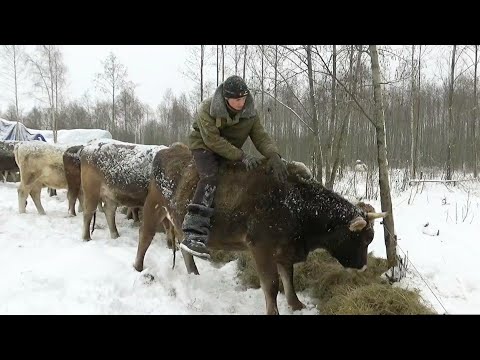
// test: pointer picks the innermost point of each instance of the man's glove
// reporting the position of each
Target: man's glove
(251, 162)
(278, 167)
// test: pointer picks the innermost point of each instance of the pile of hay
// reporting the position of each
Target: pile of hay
(337, 290)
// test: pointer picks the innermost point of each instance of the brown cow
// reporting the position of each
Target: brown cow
(118, 173)
(279, 223)
(71, 163)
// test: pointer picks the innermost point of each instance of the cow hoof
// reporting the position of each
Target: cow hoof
(138, 268)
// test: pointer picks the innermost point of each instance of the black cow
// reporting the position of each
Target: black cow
(7, 158)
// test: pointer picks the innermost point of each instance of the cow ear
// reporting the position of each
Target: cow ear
(357, 224)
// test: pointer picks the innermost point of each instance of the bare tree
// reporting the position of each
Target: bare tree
(317, 154)
(202, 55)
(244, 60)
(475, 115)
(385, 196)
(412, 118)
(49, 75)
(341, 138)
(275, 66)
(13, 57)
(450, 116)
(262, 79)
(329, 144)
(236, 58)
(196, 63)
(111, 80)
(217, 66)
(223, 62)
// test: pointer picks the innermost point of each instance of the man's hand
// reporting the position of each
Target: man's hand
(251, 162)
(278, 167)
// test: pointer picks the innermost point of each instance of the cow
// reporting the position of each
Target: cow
(116, 172)
(134, 213)
(71, 164)
(279, 223)
(7, 158)
(41, 165)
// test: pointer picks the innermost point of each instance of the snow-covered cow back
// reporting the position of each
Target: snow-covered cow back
(116, 172)
(41, 165)
(122, 164)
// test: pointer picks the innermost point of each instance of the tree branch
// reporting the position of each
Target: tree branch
(346, 89)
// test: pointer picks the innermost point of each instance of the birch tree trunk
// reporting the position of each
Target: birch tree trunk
(475, 114)
(202, 51)
(384, 182)
(412, 118)
(331, 130)
(317, 158)
(450, 117)
(245, 61)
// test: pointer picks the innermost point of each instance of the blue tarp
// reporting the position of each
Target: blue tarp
(10, 130)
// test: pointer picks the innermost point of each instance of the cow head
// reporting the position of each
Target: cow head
(348, 243)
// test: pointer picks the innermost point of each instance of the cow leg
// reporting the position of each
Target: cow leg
(80, 201)
(135, 214)
(22, 199)
(90, 201)
(286, 274)
(110, 209)
(72, 195)
(5, 175)
(35, 194)
(268, 274)
(151, 214)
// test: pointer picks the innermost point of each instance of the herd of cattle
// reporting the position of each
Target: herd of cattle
(280, 223)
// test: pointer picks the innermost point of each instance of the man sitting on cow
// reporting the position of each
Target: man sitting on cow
(223, 124)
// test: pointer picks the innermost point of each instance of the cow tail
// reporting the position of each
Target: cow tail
(172, 231)
(94, 218)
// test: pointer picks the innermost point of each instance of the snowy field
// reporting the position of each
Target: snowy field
(48, 269)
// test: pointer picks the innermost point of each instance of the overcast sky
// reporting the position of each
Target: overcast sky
(154, 68)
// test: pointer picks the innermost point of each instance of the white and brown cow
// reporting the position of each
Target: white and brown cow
(41, 165)
(119, 174)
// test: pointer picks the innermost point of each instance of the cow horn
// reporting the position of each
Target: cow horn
(357, 224)
(374, 215)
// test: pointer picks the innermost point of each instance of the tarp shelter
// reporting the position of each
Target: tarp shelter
(12, 130)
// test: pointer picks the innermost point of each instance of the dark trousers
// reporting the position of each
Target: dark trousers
(206, 162)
